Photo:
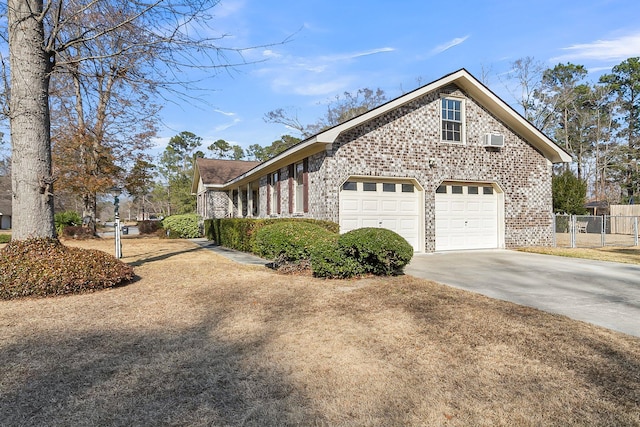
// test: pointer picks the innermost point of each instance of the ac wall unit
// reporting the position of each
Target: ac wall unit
(494, 140)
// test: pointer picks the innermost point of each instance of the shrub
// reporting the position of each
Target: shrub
(378, 250)
(286, 242)
(329, 261)
(66, 219)
(45, 267)
(149, 227)
(185, 226)
(5, 238)
(75, 232)
(239, 233)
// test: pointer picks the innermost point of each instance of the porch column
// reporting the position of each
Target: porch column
(249, 201)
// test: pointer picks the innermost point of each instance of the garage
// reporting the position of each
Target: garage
(467, 217)
(395, 205)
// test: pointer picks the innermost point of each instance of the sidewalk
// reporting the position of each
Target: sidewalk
(232, 254)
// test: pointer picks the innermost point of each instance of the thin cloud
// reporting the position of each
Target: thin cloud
(603, 50)
(316, 75)
(226, 126)
(224, 113)
(448, 45)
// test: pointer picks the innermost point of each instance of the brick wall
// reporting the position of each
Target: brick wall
(400, 144)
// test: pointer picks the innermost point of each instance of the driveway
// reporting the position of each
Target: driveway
(603, 293)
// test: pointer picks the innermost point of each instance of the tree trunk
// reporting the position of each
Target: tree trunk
(32, 183)
(89, 211)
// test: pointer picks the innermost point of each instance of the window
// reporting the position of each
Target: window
(487, 190)
(451, 120)
(472, 190)
(388, 187)
(298, 174)
(407, 188)
(456, 189)
(350, 186)
(369, 186)
(442, 189)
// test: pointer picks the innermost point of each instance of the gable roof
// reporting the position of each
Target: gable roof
(216, 172)
(461, 78)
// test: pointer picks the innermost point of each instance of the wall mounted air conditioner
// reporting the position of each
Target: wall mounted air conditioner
(493, 140)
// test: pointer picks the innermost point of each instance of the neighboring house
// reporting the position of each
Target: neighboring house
(5, 202)
(448, 166)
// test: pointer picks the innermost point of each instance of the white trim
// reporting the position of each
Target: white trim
(463, 124)
(461, 78)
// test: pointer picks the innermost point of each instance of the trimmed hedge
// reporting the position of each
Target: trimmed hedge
(239, 233)
(45, 267)
(329, 261)
(185, 226)
(379, 250)
(287, 242)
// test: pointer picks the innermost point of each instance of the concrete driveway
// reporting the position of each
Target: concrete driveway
(603, 293)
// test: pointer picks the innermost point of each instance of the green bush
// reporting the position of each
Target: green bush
(330, 262)
(66, 219)
(45, 267)
(378, 250)
(185, 226)
(290, 241)
(239, 233)
(5, 238)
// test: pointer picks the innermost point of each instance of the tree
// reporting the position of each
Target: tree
(624, 83)
(528, 73)
(139, 181)
(223, 150)
(339, 110)
(31, 64)
(569, 194)
(39, 36)
(176, 167)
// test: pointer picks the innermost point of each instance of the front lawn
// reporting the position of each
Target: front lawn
(199, 340)
(625, 254)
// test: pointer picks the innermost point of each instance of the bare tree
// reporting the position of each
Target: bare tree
(154, 42)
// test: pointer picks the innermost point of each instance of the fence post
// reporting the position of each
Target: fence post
(635, 230)
(603, 242)
(572, 230)
(555, 229)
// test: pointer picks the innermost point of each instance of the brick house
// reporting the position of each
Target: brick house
(448, 166)
(5, 202)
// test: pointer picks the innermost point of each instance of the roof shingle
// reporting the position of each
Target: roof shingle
(217, 171)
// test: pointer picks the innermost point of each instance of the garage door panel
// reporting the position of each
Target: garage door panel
(394, 210)
(389, 205)
(466, 221)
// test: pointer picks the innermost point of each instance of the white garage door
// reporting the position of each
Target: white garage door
(466, 217)
(392, 205)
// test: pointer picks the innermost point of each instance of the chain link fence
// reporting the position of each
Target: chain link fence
(588, 231)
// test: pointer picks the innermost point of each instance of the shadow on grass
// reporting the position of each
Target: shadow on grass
(178, 377)
(142, 261)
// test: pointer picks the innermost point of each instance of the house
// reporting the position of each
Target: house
(5, 202)
(448, 166)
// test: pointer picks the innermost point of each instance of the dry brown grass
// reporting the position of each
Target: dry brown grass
(627, 255)
(200, 340)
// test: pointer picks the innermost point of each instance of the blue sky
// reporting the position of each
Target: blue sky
(338, 46)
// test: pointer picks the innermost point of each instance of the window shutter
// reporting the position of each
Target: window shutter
(291, 187)
(305, 185)
(278, 197)
(269, 190)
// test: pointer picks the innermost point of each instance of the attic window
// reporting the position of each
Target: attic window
(452, 119)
